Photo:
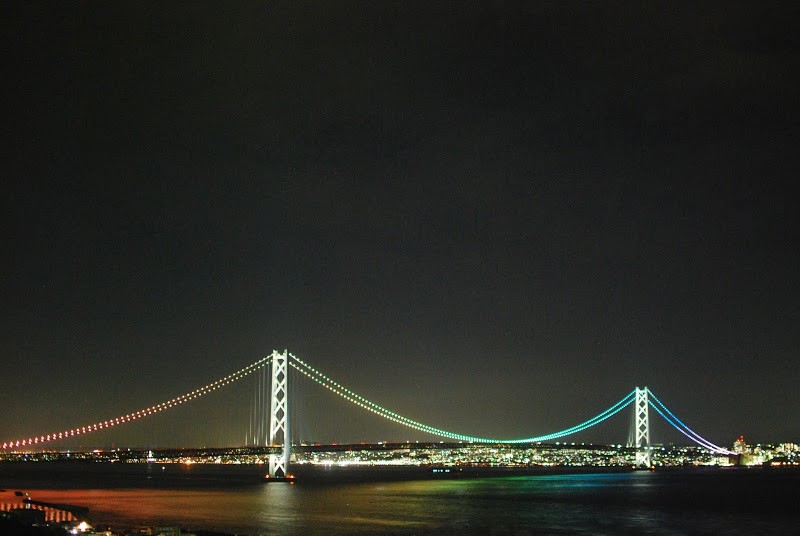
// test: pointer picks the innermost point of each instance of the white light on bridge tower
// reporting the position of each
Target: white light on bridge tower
(279, 416)
(642, 430)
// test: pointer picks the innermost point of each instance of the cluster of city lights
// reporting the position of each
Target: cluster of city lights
(362, 402)
(157, 408)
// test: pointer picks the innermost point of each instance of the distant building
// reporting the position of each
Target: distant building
(740, 446)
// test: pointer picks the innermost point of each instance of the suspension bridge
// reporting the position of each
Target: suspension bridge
(276, 368)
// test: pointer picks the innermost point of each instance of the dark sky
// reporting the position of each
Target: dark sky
(490, 217)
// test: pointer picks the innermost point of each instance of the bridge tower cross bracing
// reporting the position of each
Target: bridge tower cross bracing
(279, 415)
(642, 428)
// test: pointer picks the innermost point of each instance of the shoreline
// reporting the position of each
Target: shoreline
(79, 473)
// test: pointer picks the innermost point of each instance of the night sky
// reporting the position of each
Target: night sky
(493, 218)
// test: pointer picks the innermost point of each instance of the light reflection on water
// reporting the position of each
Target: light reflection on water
(604, 504)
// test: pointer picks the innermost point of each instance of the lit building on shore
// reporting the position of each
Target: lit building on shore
(740, 446)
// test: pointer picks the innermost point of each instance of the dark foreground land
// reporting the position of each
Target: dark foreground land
(12, 527)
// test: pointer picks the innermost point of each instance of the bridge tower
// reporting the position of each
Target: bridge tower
(279, 416)
(641, 431)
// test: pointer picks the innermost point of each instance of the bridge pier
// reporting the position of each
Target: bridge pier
(279, 417)
(642, 429)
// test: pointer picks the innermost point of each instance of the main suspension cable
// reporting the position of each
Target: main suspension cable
(146, 412)
(370, 406)
(679, 425)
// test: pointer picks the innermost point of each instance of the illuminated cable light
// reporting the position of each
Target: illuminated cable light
(681, 430)
(177, 400)
(699, 440)
(710, 446)
(349, 395)
(703, 444)
(357, 400)
(613, 410)
(378, 409)
(665, 408)
(383, 411)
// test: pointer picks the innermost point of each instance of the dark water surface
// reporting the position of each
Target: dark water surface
(232, 499)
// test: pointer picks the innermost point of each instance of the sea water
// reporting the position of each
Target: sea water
(232, 499)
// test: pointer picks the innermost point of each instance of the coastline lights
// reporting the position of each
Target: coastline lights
(152, 410)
